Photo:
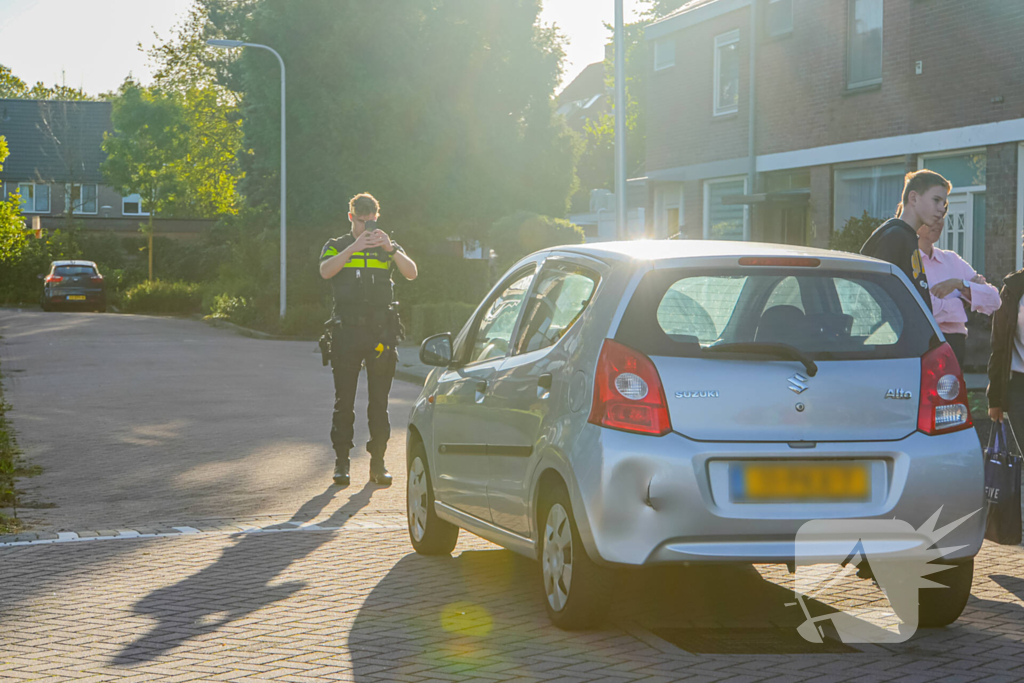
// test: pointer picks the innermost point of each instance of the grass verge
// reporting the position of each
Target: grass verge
(11, 467)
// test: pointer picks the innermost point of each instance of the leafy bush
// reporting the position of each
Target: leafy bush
(428, 319)
(304, 320)
(854, 234)
(158, 296)
(522, 233)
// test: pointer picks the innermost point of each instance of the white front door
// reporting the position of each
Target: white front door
(958, 235)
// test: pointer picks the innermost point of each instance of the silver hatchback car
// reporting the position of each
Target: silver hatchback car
(635, 403)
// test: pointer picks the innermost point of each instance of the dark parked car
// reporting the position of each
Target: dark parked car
(74, 283)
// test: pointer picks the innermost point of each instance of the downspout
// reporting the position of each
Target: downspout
(752, 120)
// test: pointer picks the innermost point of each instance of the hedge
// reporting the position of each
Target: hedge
(179, 298)
(429, 319)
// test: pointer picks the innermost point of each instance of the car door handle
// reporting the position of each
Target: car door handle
(544, 386)
(481, 391)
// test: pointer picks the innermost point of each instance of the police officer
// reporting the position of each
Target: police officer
(364, 330)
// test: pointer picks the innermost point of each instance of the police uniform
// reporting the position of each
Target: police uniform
(365, 330)
(896, 242)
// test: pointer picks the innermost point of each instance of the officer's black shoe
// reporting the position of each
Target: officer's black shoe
(379, 473)
(341, 473)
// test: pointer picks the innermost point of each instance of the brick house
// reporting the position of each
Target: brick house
(54, 163)
(849, 95)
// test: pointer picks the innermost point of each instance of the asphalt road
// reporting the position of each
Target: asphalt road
(138, 420)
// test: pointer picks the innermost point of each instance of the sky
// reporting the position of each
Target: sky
(93, 44)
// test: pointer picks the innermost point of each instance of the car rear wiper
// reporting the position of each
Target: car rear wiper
(767, 349)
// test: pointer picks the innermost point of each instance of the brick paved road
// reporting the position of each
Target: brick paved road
(356, 604)
(137, 419)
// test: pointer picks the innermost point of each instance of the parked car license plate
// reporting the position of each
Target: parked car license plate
(781, 482)
(76, 297)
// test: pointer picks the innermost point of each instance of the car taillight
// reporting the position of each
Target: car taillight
(50, 279)
(96, 278)
(944, 407)
(628, 394)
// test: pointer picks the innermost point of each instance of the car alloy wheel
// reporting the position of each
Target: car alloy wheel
(417, 500)
(557, 557)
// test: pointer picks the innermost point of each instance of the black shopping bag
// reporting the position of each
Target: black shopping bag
(1002, 486)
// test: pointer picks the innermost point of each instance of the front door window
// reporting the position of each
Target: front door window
(495, 326)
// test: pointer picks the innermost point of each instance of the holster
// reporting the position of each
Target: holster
(327, 340)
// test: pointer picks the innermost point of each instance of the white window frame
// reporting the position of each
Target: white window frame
(35, 197)
(67, 198)
(133, 197)
(779, 34)
(851, 11)
(662, 46)
(867, 163)
(922, 162)
(707, 205)
(724, 40)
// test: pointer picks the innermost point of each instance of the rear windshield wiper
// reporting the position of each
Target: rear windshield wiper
(767, 349)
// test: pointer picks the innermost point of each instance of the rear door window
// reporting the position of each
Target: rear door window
(559, 298)
(825, 314)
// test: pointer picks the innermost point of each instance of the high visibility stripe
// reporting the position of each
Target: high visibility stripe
(331, 251)
(363, 260)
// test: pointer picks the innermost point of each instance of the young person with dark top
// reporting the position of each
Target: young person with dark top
(360, 265)
(896, 241)
(1006, 364)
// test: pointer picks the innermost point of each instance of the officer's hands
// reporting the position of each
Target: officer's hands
(383, 240)
(364, 241)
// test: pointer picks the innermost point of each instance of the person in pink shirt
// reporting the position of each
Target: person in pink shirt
(958, 286)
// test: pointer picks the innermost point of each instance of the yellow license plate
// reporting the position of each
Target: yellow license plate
(801, 482)
(75, 297)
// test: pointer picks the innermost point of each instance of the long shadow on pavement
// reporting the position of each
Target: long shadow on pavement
(482, 612)
(236, 585)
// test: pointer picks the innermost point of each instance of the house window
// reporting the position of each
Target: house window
(864, 42)
(727, 73)
(82, 197)
(664, 54)
(779, 18)
(724, 221)
(34, 198)
(962, 170)
(132, 206)
(875, 189)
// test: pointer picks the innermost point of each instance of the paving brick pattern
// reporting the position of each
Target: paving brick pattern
(354, 603)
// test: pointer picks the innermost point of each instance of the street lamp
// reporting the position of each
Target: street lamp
(228, 44)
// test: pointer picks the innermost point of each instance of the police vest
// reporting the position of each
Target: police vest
(363, 288)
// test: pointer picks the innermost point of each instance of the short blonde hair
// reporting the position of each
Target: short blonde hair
(363, 204)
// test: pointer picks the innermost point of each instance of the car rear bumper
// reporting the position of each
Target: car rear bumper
(663, 499)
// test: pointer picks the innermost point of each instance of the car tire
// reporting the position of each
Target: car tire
(578, 598)
(430, 535)
(939, 607)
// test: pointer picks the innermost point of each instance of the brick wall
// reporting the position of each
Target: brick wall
(1001, 212)
(971, 53)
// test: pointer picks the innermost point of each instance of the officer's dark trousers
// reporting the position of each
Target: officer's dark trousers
(350, 348)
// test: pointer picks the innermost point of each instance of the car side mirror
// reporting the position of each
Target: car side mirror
(437, 350)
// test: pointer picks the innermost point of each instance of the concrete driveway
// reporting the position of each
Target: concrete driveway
(137, 420)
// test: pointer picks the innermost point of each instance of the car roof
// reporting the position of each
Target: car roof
(73, 262)
(668, 250)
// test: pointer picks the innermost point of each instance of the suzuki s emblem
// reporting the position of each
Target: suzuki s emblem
(798, 384)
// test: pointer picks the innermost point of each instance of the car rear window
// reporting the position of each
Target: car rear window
(829, 315)
(74, 270)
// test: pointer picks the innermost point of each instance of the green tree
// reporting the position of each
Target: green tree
(11, 87)
(12, 223)
(522, 233)
(144, 151)
(441, 108)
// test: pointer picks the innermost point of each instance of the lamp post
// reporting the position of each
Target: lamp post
(228, 44)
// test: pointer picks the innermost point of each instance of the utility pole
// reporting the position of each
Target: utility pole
(621, 226)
